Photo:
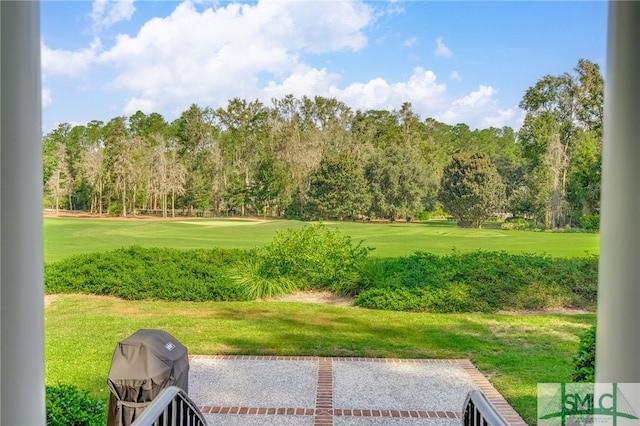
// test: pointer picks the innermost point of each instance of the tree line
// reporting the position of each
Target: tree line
(317, 158)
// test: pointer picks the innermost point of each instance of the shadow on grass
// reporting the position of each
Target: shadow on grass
(514, 351)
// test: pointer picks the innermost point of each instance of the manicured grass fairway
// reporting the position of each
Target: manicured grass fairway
(515, 352)
(68, 236)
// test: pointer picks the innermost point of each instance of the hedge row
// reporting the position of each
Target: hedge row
(315, 257)
(138, 273)
(478, 282)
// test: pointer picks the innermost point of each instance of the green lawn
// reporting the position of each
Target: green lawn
(514, 351)
(68, 236)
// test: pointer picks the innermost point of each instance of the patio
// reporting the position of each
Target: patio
(255, 390)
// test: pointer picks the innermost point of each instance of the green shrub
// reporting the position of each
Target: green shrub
(137, 273)
(584, 362)
(590, 223)
(376, 272)
(423, 215)
(478, 282)
(516, 223)
(257, 283)
(315, 257)
(115, 209)
(67, 406)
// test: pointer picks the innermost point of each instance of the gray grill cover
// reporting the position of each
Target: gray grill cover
(143, 365)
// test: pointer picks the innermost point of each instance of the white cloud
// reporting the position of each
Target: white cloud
(499, 118)
(304, 81)
(69, 63)
(208, 55)
(468, 105)
(322, 26)
(442, 50)
(217, 54)
(105, 13)
(135, 104)
(46, 97)
(410, 42)
(422, 90)
(479, 109)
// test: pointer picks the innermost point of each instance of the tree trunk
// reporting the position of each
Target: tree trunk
(100, 198)
(164, 205)
(133, 202)
(124, 199)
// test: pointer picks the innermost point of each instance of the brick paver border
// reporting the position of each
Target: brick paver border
(324, 412)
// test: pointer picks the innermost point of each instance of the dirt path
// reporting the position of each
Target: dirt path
(325, 298)
(50, 298)
(322, 297)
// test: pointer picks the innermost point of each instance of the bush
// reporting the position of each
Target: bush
(478, 282)
(314, 257)
(423, 215)
(590, 223)
(67, 406)
(115, 209)
(137, 273)
(257, 283)
(584, 363)
(516, 223)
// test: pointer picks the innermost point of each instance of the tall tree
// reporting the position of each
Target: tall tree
(196, 143)
(585, 173)
(559, 110)
(243, 126)
(332, 118)
(93, 159)
(471, 189)
(59, 183)
(379, 128)
(124, 170)
(268, 184)
(93, 164)
(158, 178)
(296, 145)
(57, 165)
(116, 136)
(176, 178)
(397, 182)
(338, 188)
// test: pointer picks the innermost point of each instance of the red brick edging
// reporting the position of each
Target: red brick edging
(324, 393)
(324, 412)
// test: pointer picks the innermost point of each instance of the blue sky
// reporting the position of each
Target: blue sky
(455, 61)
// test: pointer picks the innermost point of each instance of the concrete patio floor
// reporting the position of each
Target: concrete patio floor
(263, 390)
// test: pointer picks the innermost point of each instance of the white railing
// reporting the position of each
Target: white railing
(172, 407)
(478, 411)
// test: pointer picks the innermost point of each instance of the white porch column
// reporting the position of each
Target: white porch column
(618, 335)
(22, 399)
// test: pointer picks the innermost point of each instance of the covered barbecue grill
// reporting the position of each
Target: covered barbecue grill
(143, 365)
